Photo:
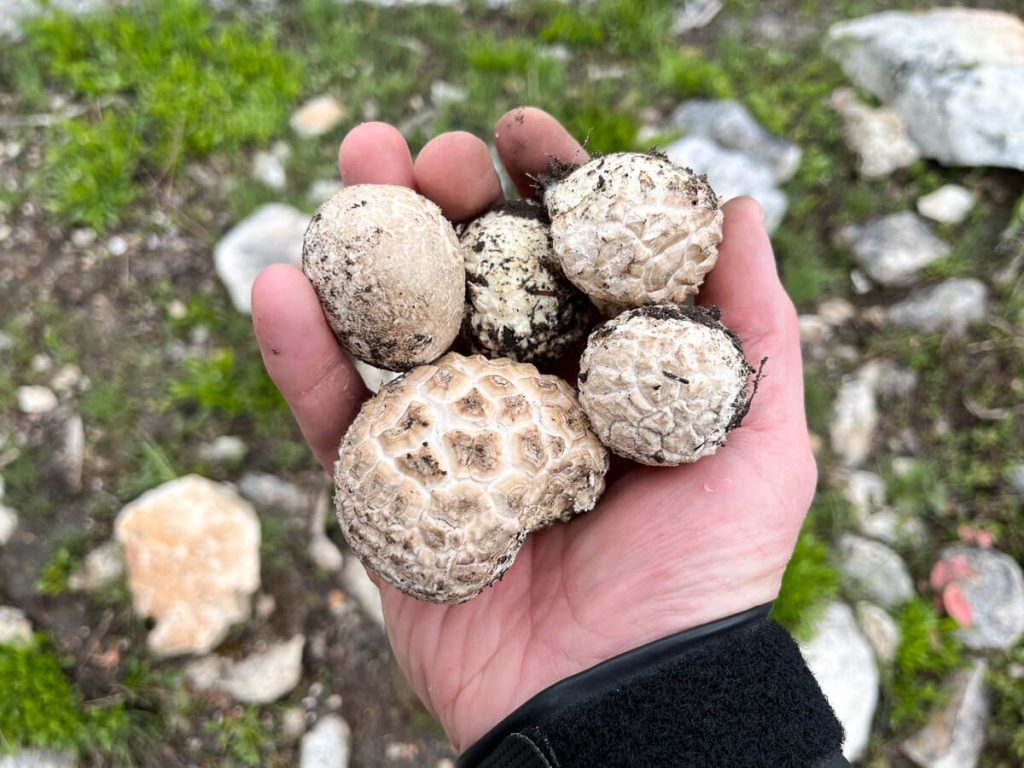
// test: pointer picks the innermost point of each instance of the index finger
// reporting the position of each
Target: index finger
(527, 140)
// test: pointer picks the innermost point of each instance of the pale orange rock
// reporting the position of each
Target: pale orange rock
(317, 116)
(191, 547)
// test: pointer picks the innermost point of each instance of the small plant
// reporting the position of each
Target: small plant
(241, 735)
(809, 580)
(38, 708)
(928, 652)
(53, 579)
(1006, 728)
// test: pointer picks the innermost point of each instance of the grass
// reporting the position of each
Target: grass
(808, 582)
(157, 71)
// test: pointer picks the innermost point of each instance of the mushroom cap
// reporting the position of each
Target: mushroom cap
(388, 270)
(631, 229)
(445, 471)
(518, 303)
(664, 385)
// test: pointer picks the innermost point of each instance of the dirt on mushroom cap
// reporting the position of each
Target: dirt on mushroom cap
(446, 470)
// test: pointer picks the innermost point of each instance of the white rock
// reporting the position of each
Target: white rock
(37, 758)
(373, 378)
(224, 449)
(73, 458)
(268, 170)
(191, 548)
(358, 585)
(993, 586)
(100, 568)
(955, 76)
(322, 189)
(731, 173)
(293, 723)
(8, 523)
(695, 14)
(855, 417)
(836, 311)
(895, 380)
(14, 12)
(880, 629)
(272, 234)
(893, 526)
(34, 399)
(15, 628)
(66, 378)
(892, 249)
(257, 679)
(844, 665)
(949, 306)
(327, 745)
(317, 116)
(1017, 478)
(443, 92)
(949, 204)
(730, 125)
(955, 734)
(873, 571)
(325, 554)
(272, 492)
(865, 491)
(878, 136)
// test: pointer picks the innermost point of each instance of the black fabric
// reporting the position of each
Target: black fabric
(731, 693)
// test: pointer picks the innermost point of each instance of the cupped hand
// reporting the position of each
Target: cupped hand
(665, 549)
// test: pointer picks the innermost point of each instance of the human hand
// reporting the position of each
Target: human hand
(665, 549)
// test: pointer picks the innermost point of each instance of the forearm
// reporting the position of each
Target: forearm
(731, 693)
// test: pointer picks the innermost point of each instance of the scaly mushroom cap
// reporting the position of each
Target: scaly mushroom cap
(631, 229)
(446, 470)
(519, 305)
(664, 385)
(388, 270)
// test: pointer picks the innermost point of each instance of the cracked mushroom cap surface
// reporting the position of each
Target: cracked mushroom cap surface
(388, 271)
(632, 229)
(518, 303)
(443, 473)
(664, 385)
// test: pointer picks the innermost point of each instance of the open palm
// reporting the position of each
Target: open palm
(663, 551)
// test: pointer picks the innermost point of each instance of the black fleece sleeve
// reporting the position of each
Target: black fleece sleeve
(732, 693)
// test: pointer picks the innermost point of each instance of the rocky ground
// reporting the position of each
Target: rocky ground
(141, 191)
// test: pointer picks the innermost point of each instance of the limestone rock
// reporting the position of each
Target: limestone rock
(272, 234)
(955, 734)
(14, 626)
(892, 249)
(8, 523)
(880, 629)
(15, 12)
(38, 758)
(878, 136)
(730, 125)
(271, 492)
(317, 116)
(988, 589)
(948, 204)
(949, 306)
(955, 76)
(191, 547)
(844, 666)
(101, 567)
(327, 745)
(257, 679)
(358, 585)
(268, 169)
(731, 174)
(855, 417)
(224, 449)
(35, 400)
(873, 571)
(695, 14)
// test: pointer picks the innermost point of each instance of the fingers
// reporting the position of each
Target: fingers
(302, 357)
(455, 171)
(527, 140)
(375, 153)
(745, 286)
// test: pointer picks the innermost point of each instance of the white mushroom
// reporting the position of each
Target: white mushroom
(632, 229)
(388, 270)
(518, 303)
(446, 470)
(664, 384)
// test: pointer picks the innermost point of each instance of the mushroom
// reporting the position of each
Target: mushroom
(631, 229)
(519, 305)
(664, 384)
(445, 471)
(388, 270)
